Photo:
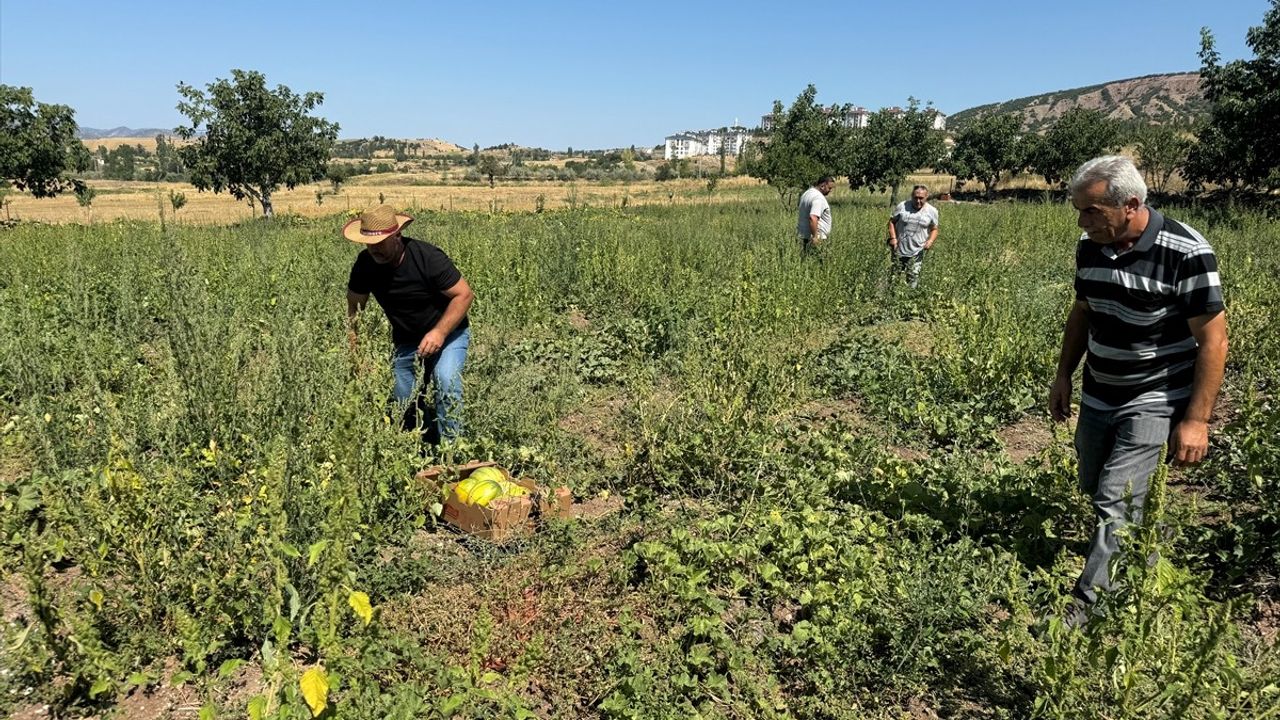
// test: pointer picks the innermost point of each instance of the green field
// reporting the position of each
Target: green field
(843, 498)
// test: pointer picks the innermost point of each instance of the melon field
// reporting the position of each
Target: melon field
(806, 490)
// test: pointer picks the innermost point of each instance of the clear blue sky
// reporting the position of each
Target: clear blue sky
(592, 75)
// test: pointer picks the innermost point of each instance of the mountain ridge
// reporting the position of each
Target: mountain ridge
(1159, 99)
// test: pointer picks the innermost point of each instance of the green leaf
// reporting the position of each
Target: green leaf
(315, 690)
(257, 707)
(295, 603)
(290, 550)
(451, 704)
(99, 686)
(230, 666)
(313, 552)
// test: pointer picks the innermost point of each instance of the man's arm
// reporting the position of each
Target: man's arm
(813, 228)
(933, 235)
(893, 233)
(460, 297)
(1190, 438)
(1075, 339)
(355, 305)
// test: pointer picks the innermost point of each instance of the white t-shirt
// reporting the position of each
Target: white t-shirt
(813, 202)
(912, 226)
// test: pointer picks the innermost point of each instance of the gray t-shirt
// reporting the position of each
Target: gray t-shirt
(813, 202)
(912, 226)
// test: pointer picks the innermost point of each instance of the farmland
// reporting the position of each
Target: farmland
(819, 494)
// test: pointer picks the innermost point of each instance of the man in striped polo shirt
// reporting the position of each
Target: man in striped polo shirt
(1149, 311)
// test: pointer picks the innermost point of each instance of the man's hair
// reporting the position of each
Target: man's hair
(920, 187)
(1122, 178)
(824, 179)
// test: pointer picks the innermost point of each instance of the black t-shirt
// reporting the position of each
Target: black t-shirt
(412, 293)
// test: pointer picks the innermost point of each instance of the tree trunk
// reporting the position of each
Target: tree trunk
(268, 211)
(893, 195)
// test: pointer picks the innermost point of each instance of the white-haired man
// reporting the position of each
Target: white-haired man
(1149, 312)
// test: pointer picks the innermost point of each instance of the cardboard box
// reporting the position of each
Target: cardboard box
(504, 517)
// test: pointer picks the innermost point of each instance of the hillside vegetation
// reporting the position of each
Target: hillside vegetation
(1174, 98)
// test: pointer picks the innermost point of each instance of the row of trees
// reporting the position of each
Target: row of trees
(245, 138)
(1231, 148)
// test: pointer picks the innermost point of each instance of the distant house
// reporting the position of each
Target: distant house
(729, 140)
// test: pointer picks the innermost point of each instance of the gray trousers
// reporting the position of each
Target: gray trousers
(1118, 453)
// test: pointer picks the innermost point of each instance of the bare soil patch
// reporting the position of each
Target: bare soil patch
(915, 336)
(598, 424)
(13, 599)
(830, 410)
(160, 701)
(1266, 619)
(1026, 438)
(596, 507)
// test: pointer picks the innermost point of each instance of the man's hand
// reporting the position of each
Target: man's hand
(431, 343)
(1060, 398)
(1189, 442)
(893, 243)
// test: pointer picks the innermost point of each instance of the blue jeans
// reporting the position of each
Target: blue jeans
(442, 419)
(1119, 451)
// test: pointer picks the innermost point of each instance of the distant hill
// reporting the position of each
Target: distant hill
(87, 133)
(1152, 99)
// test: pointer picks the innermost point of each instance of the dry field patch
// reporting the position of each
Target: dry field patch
(136, 200)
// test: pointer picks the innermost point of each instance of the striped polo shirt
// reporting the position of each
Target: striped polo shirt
(1141, 350)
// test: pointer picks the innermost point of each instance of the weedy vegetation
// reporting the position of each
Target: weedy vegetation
(202, 494)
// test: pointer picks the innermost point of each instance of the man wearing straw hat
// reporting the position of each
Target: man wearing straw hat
(426, 299)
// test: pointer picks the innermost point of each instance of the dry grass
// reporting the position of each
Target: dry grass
(147, 143)
(142, 200)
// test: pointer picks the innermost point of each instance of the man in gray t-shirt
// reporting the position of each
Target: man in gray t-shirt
(913, 227)
(814, 222)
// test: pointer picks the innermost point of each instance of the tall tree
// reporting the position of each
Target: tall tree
(803, 144)
(987, 148)
(490, 166)
(1238, 143)
(1077, 135)
(1161, 151)
(894, 144)
(37, 144)
(254, 139)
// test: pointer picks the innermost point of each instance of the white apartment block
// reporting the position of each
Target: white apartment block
(729, 140)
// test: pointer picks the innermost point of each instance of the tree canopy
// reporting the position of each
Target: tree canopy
(38, 144)
(1237, 145)
(987, 148)
(894, 144)
(254, 139)
(1078, 135)
(802, 145)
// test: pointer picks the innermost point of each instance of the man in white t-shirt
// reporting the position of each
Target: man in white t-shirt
(913, 227)
(814, 223)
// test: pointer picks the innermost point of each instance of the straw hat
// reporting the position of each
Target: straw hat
(375, 224)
